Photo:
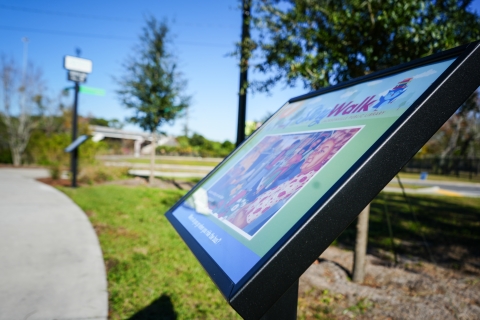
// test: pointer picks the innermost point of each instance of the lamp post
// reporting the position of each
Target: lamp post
(24, 72)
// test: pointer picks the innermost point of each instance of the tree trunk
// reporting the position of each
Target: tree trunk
(361, 246)
(453, 141)
(152, 158)
(16, 157)
(24, 87)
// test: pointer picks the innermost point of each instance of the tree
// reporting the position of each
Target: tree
(361, 241)
(324, 42)
(114, 123)
(98, 121)
(152, 85)
(21, 95)
(459, 136)
(462, 128)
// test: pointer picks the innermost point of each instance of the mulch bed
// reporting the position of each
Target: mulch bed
(413, 289)
(56, 183)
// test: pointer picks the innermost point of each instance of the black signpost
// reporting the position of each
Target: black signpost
(75, 144)
(268, 211)
(73, 150)
(78, 69)
(74, 153)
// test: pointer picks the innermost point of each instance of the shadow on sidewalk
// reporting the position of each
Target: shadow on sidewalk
(162, 308)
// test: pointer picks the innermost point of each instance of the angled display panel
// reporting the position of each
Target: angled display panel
(243, 218)
(257, 195)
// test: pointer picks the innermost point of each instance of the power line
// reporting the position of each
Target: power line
(107, 18)
(64, 33)
(105, 36)
(64, 14)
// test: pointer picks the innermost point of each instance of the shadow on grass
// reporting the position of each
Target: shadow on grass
(450, 226)
(160, 309)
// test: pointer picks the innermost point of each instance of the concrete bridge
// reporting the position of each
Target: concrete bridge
(141, 140)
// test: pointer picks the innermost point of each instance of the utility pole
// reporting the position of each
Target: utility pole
(25, 58)
(245, 52)
(185, 129)
(24, 72)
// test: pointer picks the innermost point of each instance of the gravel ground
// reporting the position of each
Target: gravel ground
(410, 290)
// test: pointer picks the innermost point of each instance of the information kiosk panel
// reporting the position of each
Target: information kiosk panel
(274, 194)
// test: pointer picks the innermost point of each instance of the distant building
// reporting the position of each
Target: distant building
(130, 142)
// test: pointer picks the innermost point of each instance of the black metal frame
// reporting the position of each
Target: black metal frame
(281, 267)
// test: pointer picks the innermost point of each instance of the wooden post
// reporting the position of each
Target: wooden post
(361, 242)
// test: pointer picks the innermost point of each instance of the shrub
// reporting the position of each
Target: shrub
(55, 170)
(196, 146)
(49, 150)
(98, 173)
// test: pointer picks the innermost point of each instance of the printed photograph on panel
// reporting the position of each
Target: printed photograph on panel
(267, 177)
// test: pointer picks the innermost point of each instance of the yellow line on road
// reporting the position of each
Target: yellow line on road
(449, 193)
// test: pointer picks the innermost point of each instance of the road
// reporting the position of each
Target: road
(462, 188)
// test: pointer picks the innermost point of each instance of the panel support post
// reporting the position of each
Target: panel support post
(286, 307)
(74, 153)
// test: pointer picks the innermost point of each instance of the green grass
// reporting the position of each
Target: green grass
(462, 178)
(447, 223)
(193, 180)
(151, 273)
(185, 162)
(176, 170)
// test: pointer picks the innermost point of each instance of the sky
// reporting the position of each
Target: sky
(205, 33)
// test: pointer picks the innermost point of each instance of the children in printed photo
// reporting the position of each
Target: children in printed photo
(270, 174)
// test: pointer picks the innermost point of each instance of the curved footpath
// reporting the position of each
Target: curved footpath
(51, 264)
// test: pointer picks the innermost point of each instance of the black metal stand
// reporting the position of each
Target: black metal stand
(286, 307)
(74, 154)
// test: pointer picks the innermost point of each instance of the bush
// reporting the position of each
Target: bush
(98, 173)
(55, 170)
(196, 146)
(49, 150)
(5, 155)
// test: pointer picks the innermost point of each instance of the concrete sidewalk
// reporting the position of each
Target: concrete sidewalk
(51, 264)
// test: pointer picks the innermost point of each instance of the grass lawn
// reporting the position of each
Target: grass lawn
(185, 162)
(176, 170)
(450, 226)
(153, 275)
(192, 180)
(462, 178)
(151, 272)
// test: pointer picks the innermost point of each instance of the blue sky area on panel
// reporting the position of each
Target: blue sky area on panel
(106, 31)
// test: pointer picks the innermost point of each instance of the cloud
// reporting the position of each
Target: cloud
(374, 83)
(347, 94)
(425, 74)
